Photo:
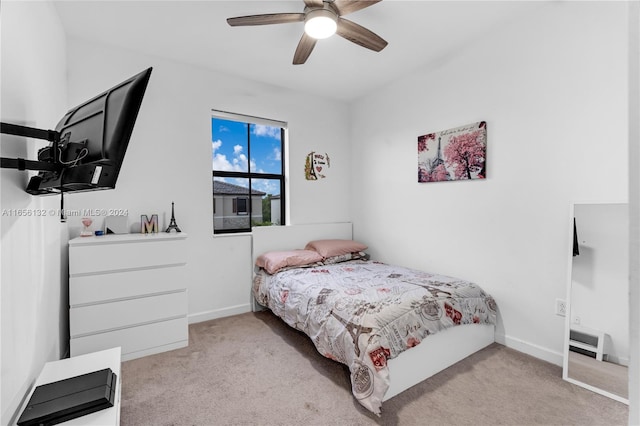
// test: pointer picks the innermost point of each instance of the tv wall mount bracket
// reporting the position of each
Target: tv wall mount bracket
(53, 165)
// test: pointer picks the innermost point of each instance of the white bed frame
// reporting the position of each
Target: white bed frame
(412, 366)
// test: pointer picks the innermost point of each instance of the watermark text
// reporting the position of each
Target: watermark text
(67, 212)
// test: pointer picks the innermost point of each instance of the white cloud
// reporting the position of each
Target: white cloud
(255, 169)
(269, 131)
(266, 186)
(239, 162)
(220, 162)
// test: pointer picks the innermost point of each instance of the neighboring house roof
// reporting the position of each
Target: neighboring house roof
(224, 188)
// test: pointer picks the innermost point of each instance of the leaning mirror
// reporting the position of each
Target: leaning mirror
(597, 326)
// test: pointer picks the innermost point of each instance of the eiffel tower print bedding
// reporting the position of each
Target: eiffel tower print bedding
(362, 313)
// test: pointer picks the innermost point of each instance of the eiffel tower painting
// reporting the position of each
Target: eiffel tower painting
(460, 154)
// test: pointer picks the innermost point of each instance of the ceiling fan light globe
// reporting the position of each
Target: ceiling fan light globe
(320, 24)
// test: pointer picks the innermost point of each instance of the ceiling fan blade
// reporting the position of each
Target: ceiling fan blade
(266, 19)
(313, 3)
(360, 35)
(304, 49)
(349, 6)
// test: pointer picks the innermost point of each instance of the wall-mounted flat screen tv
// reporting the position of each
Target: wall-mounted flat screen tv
(93, 139)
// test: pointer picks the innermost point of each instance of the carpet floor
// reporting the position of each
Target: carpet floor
(252, 369)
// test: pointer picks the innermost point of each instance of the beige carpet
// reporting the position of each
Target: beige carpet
(610, 377)
(252, 369)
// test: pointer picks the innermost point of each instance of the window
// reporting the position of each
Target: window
(248, 172)
(241, 206)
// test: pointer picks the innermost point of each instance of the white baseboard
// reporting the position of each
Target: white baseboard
(616, 360)
(536, 351)
(219, 313)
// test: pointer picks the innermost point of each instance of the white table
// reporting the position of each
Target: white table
(82, 364)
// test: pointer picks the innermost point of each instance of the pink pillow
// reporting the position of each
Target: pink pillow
(328, 248)
(273, 261)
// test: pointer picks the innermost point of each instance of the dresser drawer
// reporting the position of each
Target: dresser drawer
(126, 313)
(136, 254)
(136, 341)
(89, 289)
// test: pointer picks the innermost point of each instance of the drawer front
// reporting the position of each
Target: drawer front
(150, 338)
(126, 313)
(88, 289)
(87, 259)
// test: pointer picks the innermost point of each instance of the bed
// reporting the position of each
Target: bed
(383, 338)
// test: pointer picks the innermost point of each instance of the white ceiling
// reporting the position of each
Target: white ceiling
(419, 33)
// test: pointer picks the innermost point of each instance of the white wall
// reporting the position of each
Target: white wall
(169, 159)
(552, 88)
(33, 296)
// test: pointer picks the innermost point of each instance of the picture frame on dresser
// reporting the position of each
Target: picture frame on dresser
(127, 290)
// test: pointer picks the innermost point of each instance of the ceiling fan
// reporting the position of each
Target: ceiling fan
(322, 19)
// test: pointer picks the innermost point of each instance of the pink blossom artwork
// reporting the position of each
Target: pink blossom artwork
(454, 154)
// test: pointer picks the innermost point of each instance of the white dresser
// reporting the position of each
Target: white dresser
(129, 291)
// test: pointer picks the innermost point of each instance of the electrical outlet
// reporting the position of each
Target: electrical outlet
(561, 307)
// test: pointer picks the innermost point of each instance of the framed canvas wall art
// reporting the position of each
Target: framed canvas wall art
(454, 154)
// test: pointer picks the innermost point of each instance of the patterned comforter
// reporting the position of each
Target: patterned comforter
(362, 313)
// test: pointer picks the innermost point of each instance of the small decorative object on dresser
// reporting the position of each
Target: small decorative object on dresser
(86, 232)
(116, 225)
(149, 226)
(128, 290)
(173, 225)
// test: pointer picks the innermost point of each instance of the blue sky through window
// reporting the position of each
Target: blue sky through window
(230, 152)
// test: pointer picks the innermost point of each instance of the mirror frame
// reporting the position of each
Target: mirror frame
(567, 319)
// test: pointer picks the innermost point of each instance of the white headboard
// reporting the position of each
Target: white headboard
(277, 238)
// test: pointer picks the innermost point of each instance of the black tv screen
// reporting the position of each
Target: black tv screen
(93, 140)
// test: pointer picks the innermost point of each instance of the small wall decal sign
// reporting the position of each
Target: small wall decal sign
(316, 165)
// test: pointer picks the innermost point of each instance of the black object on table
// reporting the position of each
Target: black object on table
(57, 402)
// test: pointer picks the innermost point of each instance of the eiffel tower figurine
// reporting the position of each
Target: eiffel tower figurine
(173, 224)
